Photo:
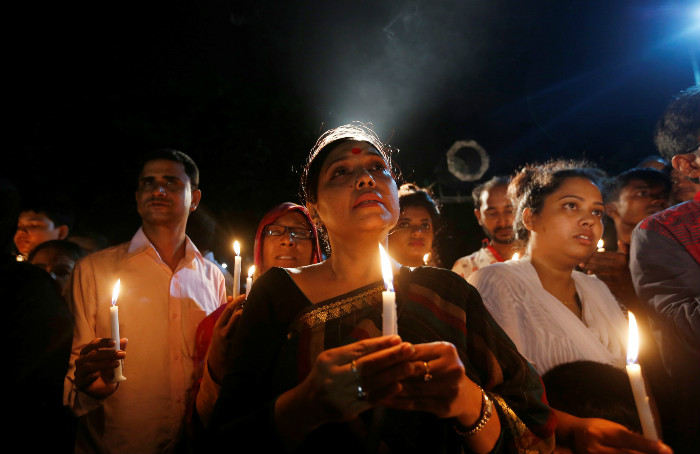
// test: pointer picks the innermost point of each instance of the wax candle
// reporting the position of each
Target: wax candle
(601, 245)
(634, 372)
(388, 296)
(114, 319)
(237, 269)
(249, 280)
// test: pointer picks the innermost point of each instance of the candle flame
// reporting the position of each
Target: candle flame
(237, 247)
(115, 292)
(425, 258)
(387, 274)
(516, 256)
(251, 271)
(601, 243)
(633, 340)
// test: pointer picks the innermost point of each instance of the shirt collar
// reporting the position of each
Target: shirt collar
(140, 243)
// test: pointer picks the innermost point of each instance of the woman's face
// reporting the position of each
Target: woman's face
(58, 265)
(412, 237)
(356, 192)
(569, 225)
(284, 250)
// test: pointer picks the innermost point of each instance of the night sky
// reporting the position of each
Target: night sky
(245, 88)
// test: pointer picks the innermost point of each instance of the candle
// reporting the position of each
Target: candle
(425, 258)
(249, 281)
(634, 371)
(237, 269)
(516, 256)
(114, 318)
(601, 245)
(388, 296)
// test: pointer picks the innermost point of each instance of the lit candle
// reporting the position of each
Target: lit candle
(601, 245)
(516, 256)
(249, 281)
(237, 269)
(114, 318)
(634, 371)
(425, 258)
(388, 296)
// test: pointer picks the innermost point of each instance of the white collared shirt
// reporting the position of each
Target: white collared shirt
(159, 311)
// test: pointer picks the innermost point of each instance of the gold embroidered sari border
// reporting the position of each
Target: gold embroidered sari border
(338, 308)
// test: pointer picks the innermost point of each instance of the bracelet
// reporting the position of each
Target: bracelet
(486, 412)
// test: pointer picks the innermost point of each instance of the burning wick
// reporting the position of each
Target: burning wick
(114, 319)
(601, 245)
(388, 296)
(237, 269)
(249, 280)
(516, 256)
(634, 372)
(425, 258)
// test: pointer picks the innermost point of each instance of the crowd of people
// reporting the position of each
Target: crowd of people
(519, 346)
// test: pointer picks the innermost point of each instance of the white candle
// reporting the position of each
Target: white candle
(601, 245)
(388, 296)
(634, 372)
(114, 318)
(249, 280)
(237, 269)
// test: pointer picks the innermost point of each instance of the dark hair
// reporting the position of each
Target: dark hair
(55, 207)
(588, 389)
(678, 128)
(535, 182)
(646, 174)
(353, 132)
(68, 248)
(649, 159)
(487, 186)
(191, 168)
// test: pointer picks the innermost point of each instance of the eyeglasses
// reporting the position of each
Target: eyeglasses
(297, 233)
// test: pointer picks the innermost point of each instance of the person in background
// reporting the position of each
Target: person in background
(166, 289)
(41, 219)
(665, 265)
(201, 229)
(286, 237)
(58, 258)
(412, 241)
(634, 195)
(494, 213)
(38, 328)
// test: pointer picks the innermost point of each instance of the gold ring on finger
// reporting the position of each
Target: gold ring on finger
(427, 376)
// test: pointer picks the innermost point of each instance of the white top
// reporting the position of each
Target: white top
(483, 257)
(158, 312)
(545, 331)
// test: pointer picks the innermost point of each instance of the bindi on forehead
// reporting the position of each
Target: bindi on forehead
(356, 151)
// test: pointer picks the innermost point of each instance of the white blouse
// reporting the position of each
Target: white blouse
(545, 331)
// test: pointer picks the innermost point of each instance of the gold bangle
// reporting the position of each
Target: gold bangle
(486, 412)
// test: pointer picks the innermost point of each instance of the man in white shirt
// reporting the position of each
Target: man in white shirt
(166, 289)
(494, 213)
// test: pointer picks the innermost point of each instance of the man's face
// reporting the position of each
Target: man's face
(639, 199)
(495, 215)
(164, 195)
(34, 228)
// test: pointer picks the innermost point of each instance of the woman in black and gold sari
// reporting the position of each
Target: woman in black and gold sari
(312, 371)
